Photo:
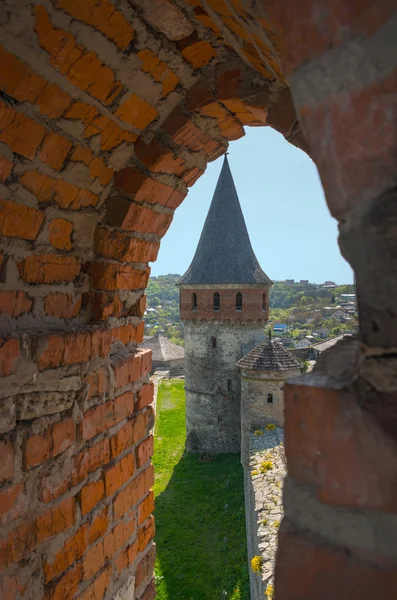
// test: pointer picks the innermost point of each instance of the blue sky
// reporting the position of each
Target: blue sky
(292, 233)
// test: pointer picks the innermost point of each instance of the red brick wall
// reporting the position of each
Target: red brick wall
(108, 114)
(252, 305)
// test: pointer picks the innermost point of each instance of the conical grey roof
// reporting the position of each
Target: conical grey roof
(163, 349)
(270, 355)
(224, 253)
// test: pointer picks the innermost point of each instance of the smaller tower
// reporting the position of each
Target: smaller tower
(264, 371)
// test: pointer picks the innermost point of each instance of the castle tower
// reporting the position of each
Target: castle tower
(224, 299)
(264, 370)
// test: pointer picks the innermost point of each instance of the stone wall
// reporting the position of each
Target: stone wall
(212, 383)
(256, 411)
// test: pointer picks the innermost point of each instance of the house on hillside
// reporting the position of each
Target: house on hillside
(280, 328)
(165, 354)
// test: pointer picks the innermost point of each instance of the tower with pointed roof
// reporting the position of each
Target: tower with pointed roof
(264, 370)
(224, 300)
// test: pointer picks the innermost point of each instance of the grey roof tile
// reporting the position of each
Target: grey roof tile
(224, 253)
(269, 355)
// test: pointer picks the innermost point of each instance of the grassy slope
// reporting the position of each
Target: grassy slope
(200, 528)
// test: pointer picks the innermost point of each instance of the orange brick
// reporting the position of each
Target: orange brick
(199, 54)
(17, 79)
(94, 560)
(7, 460)
(122, 246)
(91, 494)
(136, 112)
(61, 306)
(132, 493)
(119, 474)
(123, 439)
(73, 548)
(87, 461)
(98, 588)
(21, 134)
(144, 452)
(128, 370)
(5, 168)
(145, 395)
(56, 519)
(111, 134)
(77, 348)
(141, 188)
(20, 221)
(63, 436)
(13, 503)
(98, 419)
(100, 170)
(55, 149)
(103, 17)
(111, 276)
(145, 567)
(37, 450)
(101, 343)
(98, 382)
(99, 525)
(143, 421)
(123, 406)
(9, 354)
(67, 586)
(53, 101)
(50, 352)
(14, 304)
(146, 508)
(59, 232)
(82, 154)
(48, 268)
(146, 533)
(134, 217)
(122, 532)
(18, 544)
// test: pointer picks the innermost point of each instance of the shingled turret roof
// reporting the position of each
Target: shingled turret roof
(163, 349)
(224, 253)
(270, 355)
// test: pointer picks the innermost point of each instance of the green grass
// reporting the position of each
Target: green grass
(200, 526)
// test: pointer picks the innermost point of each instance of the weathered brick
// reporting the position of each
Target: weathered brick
(119, 474)
(5, 168)
(159, 70)
(64, 194)
(61, 306)
(63, 436)
(90, 495)
(132, 493)
(123, 439)
(104, 305)
(144, 451)
(98, 419)
(124, 247)
(7, 460)
(17, 220)
(143, 188)
(99, 525)
(18, 544)
(127, 370)
(150, 591)
(13, 502)
(199, 54)
(48, 268)
(82, 154)
(145, 567)
(21, 134)
(67, 585)
(9, 354)
(145, 395)
(37, 450)
(98, 382)
(165, 16)
(143, 422)
(101, 343)
(55, 149)
(136, 112)
(111, 276)
(100, 170)
(17, 79)
(50, 352)
(146, 508)
(53, 101)
(56, 519)
(90, 459)
(98, 588)
(146, 533)
(73, 548)
(14, 304)
(77, 348)
(159, 158)
(59, 232)
(104, 17)
(134, 217)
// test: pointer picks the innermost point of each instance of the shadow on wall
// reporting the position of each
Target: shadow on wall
(200, 531)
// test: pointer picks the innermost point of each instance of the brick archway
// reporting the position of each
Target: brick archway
(109, 112)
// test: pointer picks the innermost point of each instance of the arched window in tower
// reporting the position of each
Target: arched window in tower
(239, 301)
(217, 301)
(264, 301)
(269, 398)
(213, 342)
(194, 301)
